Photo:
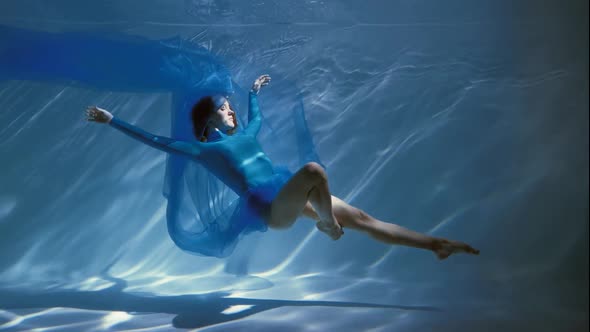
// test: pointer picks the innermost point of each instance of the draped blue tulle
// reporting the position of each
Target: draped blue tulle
(204, 216)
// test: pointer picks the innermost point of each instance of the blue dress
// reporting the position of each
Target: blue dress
(208, 208)
(220, 233)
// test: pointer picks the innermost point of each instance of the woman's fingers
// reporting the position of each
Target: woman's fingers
(264, 77)
(263, 80)
(92, 113)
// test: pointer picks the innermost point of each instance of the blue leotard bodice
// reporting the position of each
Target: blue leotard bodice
(237, 160)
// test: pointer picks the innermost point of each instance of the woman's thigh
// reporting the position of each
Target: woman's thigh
(292, 198)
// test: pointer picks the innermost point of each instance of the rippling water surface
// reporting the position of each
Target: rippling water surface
(458, 119)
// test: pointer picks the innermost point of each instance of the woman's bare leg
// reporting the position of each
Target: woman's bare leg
(310, 183)
(354, 218)
(307, 192)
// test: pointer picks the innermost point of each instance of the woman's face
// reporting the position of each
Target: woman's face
(223, 118)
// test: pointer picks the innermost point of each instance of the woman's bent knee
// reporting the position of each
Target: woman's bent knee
(363, 217)
(314, 171)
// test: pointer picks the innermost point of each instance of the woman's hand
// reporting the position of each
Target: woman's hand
(97, 114)
(260, 82)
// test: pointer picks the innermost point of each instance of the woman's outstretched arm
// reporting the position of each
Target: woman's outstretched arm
(254, 116)
(159, 142)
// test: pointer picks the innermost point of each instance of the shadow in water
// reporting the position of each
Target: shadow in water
(192, 311)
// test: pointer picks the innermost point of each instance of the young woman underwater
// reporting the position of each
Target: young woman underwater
(269, 196)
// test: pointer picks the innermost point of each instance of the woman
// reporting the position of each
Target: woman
(270, 197)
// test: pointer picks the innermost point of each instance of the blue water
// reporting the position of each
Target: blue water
(466, 120)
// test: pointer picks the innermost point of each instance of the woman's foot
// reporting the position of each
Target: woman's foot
(444, 248)
(333, 229)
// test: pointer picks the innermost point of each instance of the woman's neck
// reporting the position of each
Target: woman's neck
(215, 135)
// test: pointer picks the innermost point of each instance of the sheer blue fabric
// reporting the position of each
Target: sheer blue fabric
(210, 205)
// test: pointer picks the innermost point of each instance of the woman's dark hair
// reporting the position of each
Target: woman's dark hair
(200, 114)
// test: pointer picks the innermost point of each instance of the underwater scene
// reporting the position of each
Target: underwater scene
(294, 165)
